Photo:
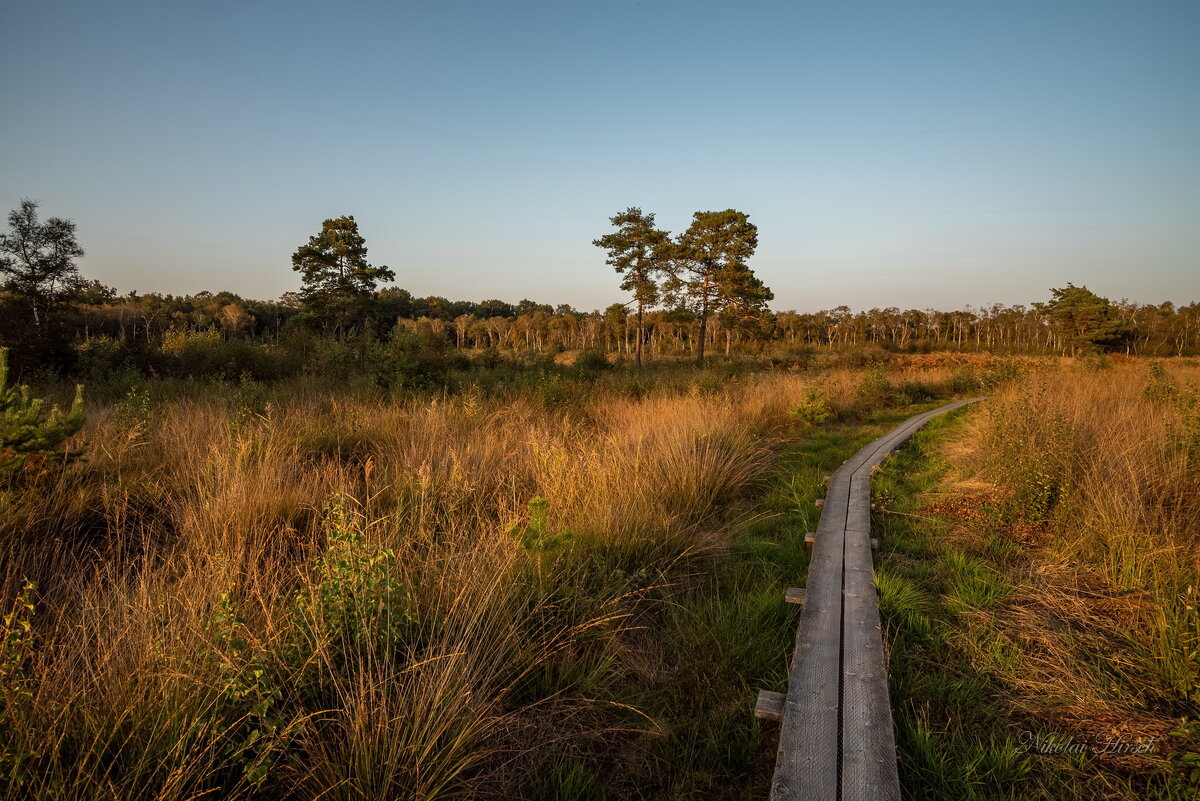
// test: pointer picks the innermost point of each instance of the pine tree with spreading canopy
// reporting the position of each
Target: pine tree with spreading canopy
(1084, 321)
(713, 276)
(338, 281)
(641, 253)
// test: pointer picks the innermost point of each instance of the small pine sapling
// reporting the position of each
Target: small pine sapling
(31, 439)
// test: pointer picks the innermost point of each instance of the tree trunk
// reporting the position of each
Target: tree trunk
(640, 336)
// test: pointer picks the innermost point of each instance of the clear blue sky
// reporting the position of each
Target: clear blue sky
(892, 153)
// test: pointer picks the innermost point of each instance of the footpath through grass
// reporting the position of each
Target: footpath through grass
(959, 666)
(724, 634)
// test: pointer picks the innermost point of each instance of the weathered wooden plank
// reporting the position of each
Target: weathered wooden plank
(836, 735)
(868, 747)
(769, 705)
(868, 758)
(868, 742)
(858, 512)
(808, 761)
(794, 595)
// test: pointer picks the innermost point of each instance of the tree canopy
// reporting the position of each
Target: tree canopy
(38, 260)
(338, 281)
(1084, 321)
(642, 255)
(714, 277)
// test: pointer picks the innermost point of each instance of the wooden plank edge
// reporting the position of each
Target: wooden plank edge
(769, 706)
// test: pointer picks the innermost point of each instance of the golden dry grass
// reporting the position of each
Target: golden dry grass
(192, 636)
(1096, 473)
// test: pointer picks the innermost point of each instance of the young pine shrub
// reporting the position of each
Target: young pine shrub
(813, 409)
(32, 439)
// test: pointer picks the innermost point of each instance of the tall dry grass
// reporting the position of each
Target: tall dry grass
(1103, 466)
(348, 596)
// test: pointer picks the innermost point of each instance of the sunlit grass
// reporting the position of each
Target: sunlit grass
(1035, 583)
(279, 591)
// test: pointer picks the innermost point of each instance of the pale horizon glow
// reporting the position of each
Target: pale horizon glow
(918, 155)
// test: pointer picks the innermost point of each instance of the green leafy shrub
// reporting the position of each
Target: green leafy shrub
(913, 391)
(416, 360)
(488, 359)
(32, 439)
(1096, 362)
(250, 695)
(197, 353)
(249, 403)
(352, 612)
(799, 356)
(1185, 755)
(875, 388)
(709, 382)
(965, 380)
(1159, 386)
(592, 361)
(1033, 449)
(206, 353)
(1004, 371)
(355, 603)
(135, 410)
(16, 638)
(550, 387)
(99, 357)
(1185, 434)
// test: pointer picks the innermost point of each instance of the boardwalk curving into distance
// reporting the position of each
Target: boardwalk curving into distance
(836, 739)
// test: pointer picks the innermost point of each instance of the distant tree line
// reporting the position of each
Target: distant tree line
(689, 294)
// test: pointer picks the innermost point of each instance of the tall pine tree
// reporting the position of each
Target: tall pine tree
(712, 274)
(641, 253)
(1083, 321)
(338, 281)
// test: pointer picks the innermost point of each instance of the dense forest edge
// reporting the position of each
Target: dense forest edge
(691, 295)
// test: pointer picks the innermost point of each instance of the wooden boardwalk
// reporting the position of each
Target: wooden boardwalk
(836, 739)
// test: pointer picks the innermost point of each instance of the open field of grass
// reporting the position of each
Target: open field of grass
(549, 590)
(571, 586)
